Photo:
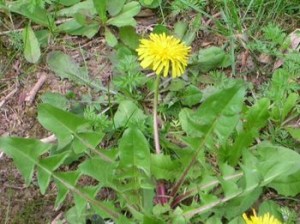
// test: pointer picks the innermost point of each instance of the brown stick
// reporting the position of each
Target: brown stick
(31, 95)
(8, 96)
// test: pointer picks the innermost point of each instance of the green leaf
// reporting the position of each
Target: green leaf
(125, 17)
(46, 168)
(80, 202)
(35, 14)
(65, 67)
(25, 153)
(32, 50)
(68, 127)
(180, 28)
(255, 119)
(288, 185)
(150, 3)
(134, 150)
(289, 104)
(85, 8)
(191, 96)
(65, 181)
(114, 7)
(240, 204)
(270, 207)
(162, 167)
(218, 114)
(100, 6)
(276, 162)
(56, 100)
(295, 133)
(73, 27)
(209, 59)
(105, 170)
(129, 37)
(128, 113)
(73, 216)
(110, 38)
(152, 220)
(68, 2)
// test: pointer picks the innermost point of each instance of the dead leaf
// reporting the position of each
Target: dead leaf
(264, 58)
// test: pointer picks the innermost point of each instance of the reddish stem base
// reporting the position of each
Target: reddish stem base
(161, 197)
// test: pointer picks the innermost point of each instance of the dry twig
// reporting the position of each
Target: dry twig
(31, 95)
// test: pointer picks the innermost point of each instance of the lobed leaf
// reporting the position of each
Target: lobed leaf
(68, 128)
(25, 153)
(256, 118)
(125, 17)
(219, 114)
(65, 67)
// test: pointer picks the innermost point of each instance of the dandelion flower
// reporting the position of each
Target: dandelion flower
(265, 219)
(162, 52)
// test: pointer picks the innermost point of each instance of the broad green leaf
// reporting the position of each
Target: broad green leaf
(160, 29)
(65, 67)
(190, 96)
(218, 114)
(68, 127)
(128, 113)
(148, 197)
(25, 153)
(255, 119)
(129, 37)
(251, 179)
(213, 220)
(295, 132)
(209, 59)
(163, 167)
(65, 181)
(99, 169)
(85, 7)
(270, 207)
(110, 38)
(240, 204)
(32, 50)
(276, 162)
(73, 27)
(56, 100)
(134, 150)
(46, 167)
(237, 220)
(288, 185)
(180, 28)
(100, 6)
(114, 7)
(36, 14)
(150, 3)
(125, 17)
(68, 2)
(152, 220)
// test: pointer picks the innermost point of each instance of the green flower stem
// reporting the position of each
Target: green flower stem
(155, 123)
(161, 197)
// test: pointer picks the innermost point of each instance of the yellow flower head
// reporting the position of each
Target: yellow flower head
(161, 52)
(265, 219)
